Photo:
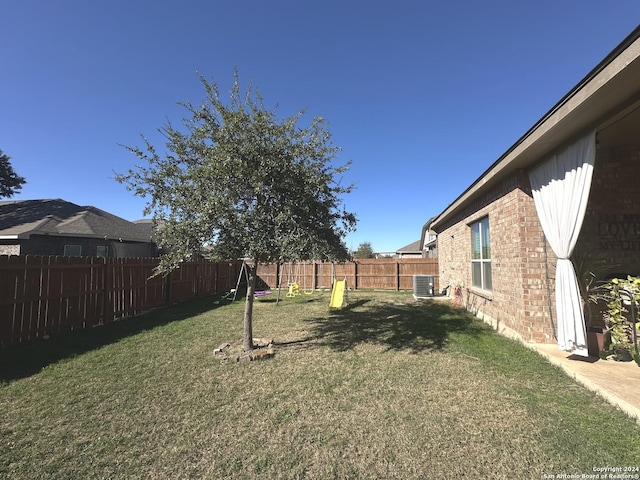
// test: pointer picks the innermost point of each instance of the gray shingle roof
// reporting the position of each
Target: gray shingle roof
(412, 247)
(23, 218)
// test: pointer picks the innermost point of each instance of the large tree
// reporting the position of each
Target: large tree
(10, 181)
(245, 184)
(365, 250)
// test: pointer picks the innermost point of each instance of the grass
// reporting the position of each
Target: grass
(387, 388)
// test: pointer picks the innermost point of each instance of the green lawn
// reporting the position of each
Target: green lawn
(387, 388)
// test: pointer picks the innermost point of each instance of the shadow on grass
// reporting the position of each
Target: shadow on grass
(23, 360)
(419, 326)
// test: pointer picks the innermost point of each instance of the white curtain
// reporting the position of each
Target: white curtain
(560, 189)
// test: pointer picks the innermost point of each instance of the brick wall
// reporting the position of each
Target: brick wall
(522, 262)
(612, 220)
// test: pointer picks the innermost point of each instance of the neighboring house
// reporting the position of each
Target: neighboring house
(429, 240)
(413, 250)
(57, 227)
(504, 243)
(426, 247)
(146, 224)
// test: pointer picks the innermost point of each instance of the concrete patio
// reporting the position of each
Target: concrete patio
(616, 382)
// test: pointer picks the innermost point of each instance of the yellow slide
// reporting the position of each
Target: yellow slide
(337, 294)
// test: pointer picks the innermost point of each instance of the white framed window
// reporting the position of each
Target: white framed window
(102, 251)
(481, 254)
(72, 250)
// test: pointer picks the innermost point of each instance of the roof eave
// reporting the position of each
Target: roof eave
(93, 236)
(609, 87)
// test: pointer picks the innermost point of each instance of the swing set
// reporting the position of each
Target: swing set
(293, 281)
(244, 272)
(297, 279)
(338, 287)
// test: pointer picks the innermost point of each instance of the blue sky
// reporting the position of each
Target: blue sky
(422, 96)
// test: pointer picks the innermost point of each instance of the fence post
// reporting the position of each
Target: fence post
(314, 272)
(198, 272)
(168, 288)
(106, 279)
(397, 275)
(216, 272)
(355, 275)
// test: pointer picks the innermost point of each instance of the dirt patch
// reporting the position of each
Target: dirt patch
(263, 349)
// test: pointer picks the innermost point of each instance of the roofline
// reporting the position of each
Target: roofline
(27, 235)
(425, 228)
(550, 120)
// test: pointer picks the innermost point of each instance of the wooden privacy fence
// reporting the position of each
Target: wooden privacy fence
(40, 295)
(378, 274)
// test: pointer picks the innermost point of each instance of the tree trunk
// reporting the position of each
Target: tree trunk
(247, 343)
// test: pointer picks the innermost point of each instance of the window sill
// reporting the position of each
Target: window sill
(486, 294)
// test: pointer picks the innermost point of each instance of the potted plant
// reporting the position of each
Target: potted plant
(588, 265)
(623, 298)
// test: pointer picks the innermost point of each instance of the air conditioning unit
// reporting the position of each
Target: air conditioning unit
(422, 286)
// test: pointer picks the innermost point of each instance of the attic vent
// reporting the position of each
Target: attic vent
(422, 286)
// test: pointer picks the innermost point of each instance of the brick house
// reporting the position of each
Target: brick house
(58, 227)
(500, 255)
